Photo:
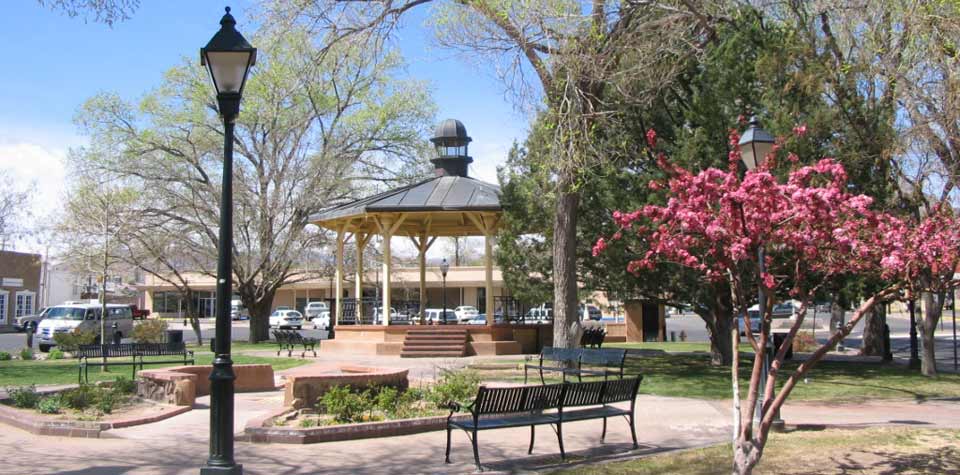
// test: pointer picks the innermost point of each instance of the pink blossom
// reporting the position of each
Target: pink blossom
(599, 247)
(800, 130)
(651, 138)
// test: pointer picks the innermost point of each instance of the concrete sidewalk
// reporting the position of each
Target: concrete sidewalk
(179, 445)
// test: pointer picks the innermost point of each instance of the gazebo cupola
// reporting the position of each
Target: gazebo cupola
(450, 141)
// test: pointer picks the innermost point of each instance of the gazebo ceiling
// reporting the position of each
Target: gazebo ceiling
(440, 206)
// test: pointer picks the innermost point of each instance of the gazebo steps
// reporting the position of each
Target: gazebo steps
(434, 342)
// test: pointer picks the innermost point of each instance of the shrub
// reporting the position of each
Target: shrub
(804, 342)
(71, 340)
(49, 405)
(80, 398)
(308, 422)
(25, 397)
(55, 354)
(388, 400)
(122, 385)
(26, 354)
(150, 331)
(106, 399)
(4, 356)
(455, 386)
(345, 405)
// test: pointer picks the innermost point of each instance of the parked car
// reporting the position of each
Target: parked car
(754, 322)
(590, 312)
(29, 323)
(481, 319)
(238, 311)
(286, 319)
(316, 309)
(466, 312)
(437, 315)
(378, 315)
(787, 309)
(86, 317)
(322, 322)
(541, 314)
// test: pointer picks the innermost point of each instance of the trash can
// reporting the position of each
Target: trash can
(174, 336)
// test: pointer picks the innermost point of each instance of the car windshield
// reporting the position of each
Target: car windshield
(66, 313)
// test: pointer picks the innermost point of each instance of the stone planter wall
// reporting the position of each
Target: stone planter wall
(181, 385)
(303, 390)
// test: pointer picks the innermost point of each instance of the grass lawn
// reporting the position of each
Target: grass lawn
(18, 373)
(867, 451)
(692, 375)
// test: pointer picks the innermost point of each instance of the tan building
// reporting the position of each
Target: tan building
(465, 286)
(19, 286)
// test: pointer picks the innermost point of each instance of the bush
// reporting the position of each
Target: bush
(307, 423)
(804, 342)
(106, 399)
(55, 354)
(49, 405)
(122, 385)
(25, 397)
(455, 386)
(26, 354)
(150, 331)
(388, 400)
(4, 356)
(81, 397)
(71, 340)
(346, 406)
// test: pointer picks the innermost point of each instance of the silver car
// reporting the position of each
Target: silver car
(83, 317)
(29, 323)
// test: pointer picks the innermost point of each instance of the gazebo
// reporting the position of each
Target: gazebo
(449, 204)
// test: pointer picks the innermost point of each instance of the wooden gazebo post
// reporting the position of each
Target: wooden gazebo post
(341, 228)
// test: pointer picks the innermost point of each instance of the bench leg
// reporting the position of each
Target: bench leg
(533, 431)
(542, 381)
(633, 432)
(524, 374)
(563, 455)
(476, 451)
(447, 460)
(79, 374)
(603, 435)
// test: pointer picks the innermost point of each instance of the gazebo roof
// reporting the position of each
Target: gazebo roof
(441, 195)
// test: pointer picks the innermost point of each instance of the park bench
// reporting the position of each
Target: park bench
(552, 404)
(97, 355)
(578, 361)
(593, 337)
(289, 339)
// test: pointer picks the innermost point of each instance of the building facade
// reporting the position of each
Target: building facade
(19, 286)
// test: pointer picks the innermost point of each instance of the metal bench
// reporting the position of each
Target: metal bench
(288, 339)
(498, 408)
(579, 362)
(593, 337)
(88, 354)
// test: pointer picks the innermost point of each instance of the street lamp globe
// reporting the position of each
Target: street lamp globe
(228, 58)
(444, 267)
(755, 144)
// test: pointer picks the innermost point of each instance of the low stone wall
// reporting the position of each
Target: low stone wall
(303, 389)
(40, 425)
(258, 431)
(181, 385)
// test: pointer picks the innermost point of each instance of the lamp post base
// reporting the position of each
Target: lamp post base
(222, 470)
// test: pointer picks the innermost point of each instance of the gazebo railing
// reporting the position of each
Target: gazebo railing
(369, 307)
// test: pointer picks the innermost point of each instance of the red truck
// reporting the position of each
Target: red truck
(138, 313)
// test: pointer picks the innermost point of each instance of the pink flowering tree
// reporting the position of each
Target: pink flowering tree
(812, 231)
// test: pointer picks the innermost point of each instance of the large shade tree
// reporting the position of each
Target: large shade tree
(314, 130)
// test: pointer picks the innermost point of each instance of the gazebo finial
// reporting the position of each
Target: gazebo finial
(450, 141)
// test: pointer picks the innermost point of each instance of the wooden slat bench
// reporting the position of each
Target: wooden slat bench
(552, 404)
(579, 362)
(88, 355)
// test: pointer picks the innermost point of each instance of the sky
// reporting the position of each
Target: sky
(52, 63)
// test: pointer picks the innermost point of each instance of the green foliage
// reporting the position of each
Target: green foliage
(50, 405)
(347, 406)
(308, 422)
(4, 356)
(123, 385)
(455, 386)
(150, 331)
(70, 341)
(55, 354)
(24, 397)
(106, 400)
(81, 397)
(26, 354)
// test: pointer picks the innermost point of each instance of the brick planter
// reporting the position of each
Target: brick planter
(35, 424)
(304, 386)
(256, 432)
(181, 385)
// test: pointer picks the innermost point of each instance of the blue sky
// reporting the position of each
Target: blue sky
(52, 63)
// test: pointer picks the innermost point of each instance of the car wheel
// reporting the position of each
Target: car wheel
(44, 348)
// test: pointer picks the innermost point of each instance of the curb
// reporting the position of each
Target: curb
(82, 429)
(255, 432)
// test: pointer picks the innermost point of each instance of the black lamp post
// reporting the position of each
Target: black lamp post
(755, 144)
(444, 267)
(914, 361)
(228, 57)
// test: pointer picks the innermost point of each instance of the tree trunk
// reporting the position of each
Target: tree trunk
(746, 455)
(259, 317)
(873, 335)
(566, 318)
(193, 316)
(932, 309)
(720, 322)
